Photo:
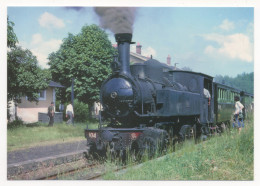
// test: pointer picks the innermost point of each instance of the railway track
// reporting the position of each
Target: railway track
(88, 171)
(66, 167)
(68, 170)
(80, 169)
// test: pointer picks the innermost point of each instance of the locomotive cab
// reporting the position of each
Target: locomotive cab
(195, 83)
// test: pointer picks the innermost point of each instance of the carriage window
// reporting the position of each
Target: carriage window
(218, 95)
(226, 95)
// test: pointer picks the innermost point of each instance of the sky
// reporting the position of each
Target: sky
(210, 40)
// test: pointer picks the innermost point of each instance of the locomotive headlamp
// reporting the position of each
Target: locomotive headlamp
(113, 95)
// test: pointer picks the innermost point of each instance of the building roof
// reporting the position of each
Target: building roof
(55, 84)
(139, 56)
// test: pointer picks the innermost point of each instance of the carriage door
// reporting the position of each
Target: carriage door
(208, 98)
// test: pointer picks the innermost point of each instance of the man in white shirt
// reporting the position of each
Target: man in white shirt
(70, 113)
(238, 114)
(207, 95)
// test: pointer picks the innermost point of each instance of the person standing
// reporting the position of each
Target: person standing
(207, 95)
(69, 113)
(238, 114)
(51, 113)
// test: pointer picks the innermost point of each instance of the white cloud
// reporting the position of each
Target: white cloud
(209, 49)
(227, 25)
(235, 46)
(48, 20)
(41, 57)
(147, 52)
(42, 48)
(36, 39)
(250, 30)
(133, 48)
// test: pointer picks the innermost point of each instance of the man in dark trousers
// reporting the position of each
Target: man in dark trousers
(51, 114)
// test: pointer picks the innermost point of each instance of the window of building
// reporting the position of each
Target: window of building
(42, 95)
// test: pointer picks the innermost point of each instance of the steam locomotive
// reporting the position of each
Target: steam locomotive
(148, 105)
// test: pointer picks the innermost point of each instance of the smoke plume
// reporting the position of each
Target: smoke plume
(116, 19)
(76, 8)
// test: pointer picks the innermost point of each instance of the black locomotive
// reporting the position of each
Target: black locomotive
(149, 105)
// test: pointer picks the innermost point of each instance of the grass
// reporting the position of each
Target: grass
(226, 157)
(25, 136)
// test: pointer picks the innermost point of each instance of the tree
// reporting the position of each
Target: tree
(86, 58)
(24, 77)
(187, 69)
(242, 81)
(11, 36)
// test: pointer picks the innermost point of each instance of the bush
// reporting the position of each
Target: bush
(14, 124)
(81, 113)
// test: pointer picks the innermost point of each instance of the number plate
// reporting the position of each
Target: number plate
(92, 135)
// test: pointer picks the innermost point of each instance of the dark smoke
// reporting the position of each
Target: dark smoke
(76, 8)
(116, 19)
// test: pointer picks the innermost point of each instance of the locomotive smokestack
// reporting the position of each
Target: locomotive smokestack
(123, 43)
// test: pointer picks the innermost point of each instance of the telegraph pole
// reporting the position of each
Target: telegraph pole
(72, 97)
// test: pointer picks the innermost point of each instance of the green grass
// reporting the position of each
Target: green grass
(226, 157)
(37, 134)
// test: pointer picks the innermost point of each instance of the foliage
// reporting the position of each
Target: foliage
(25, 78)
(11, 36)
(243, 81)
(86, 58)
(15, 124)
(81, 111)
(187, 69)
(226, 157)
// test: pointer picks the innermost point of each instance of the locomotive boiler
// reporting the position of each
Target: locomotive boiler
(148, 105)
